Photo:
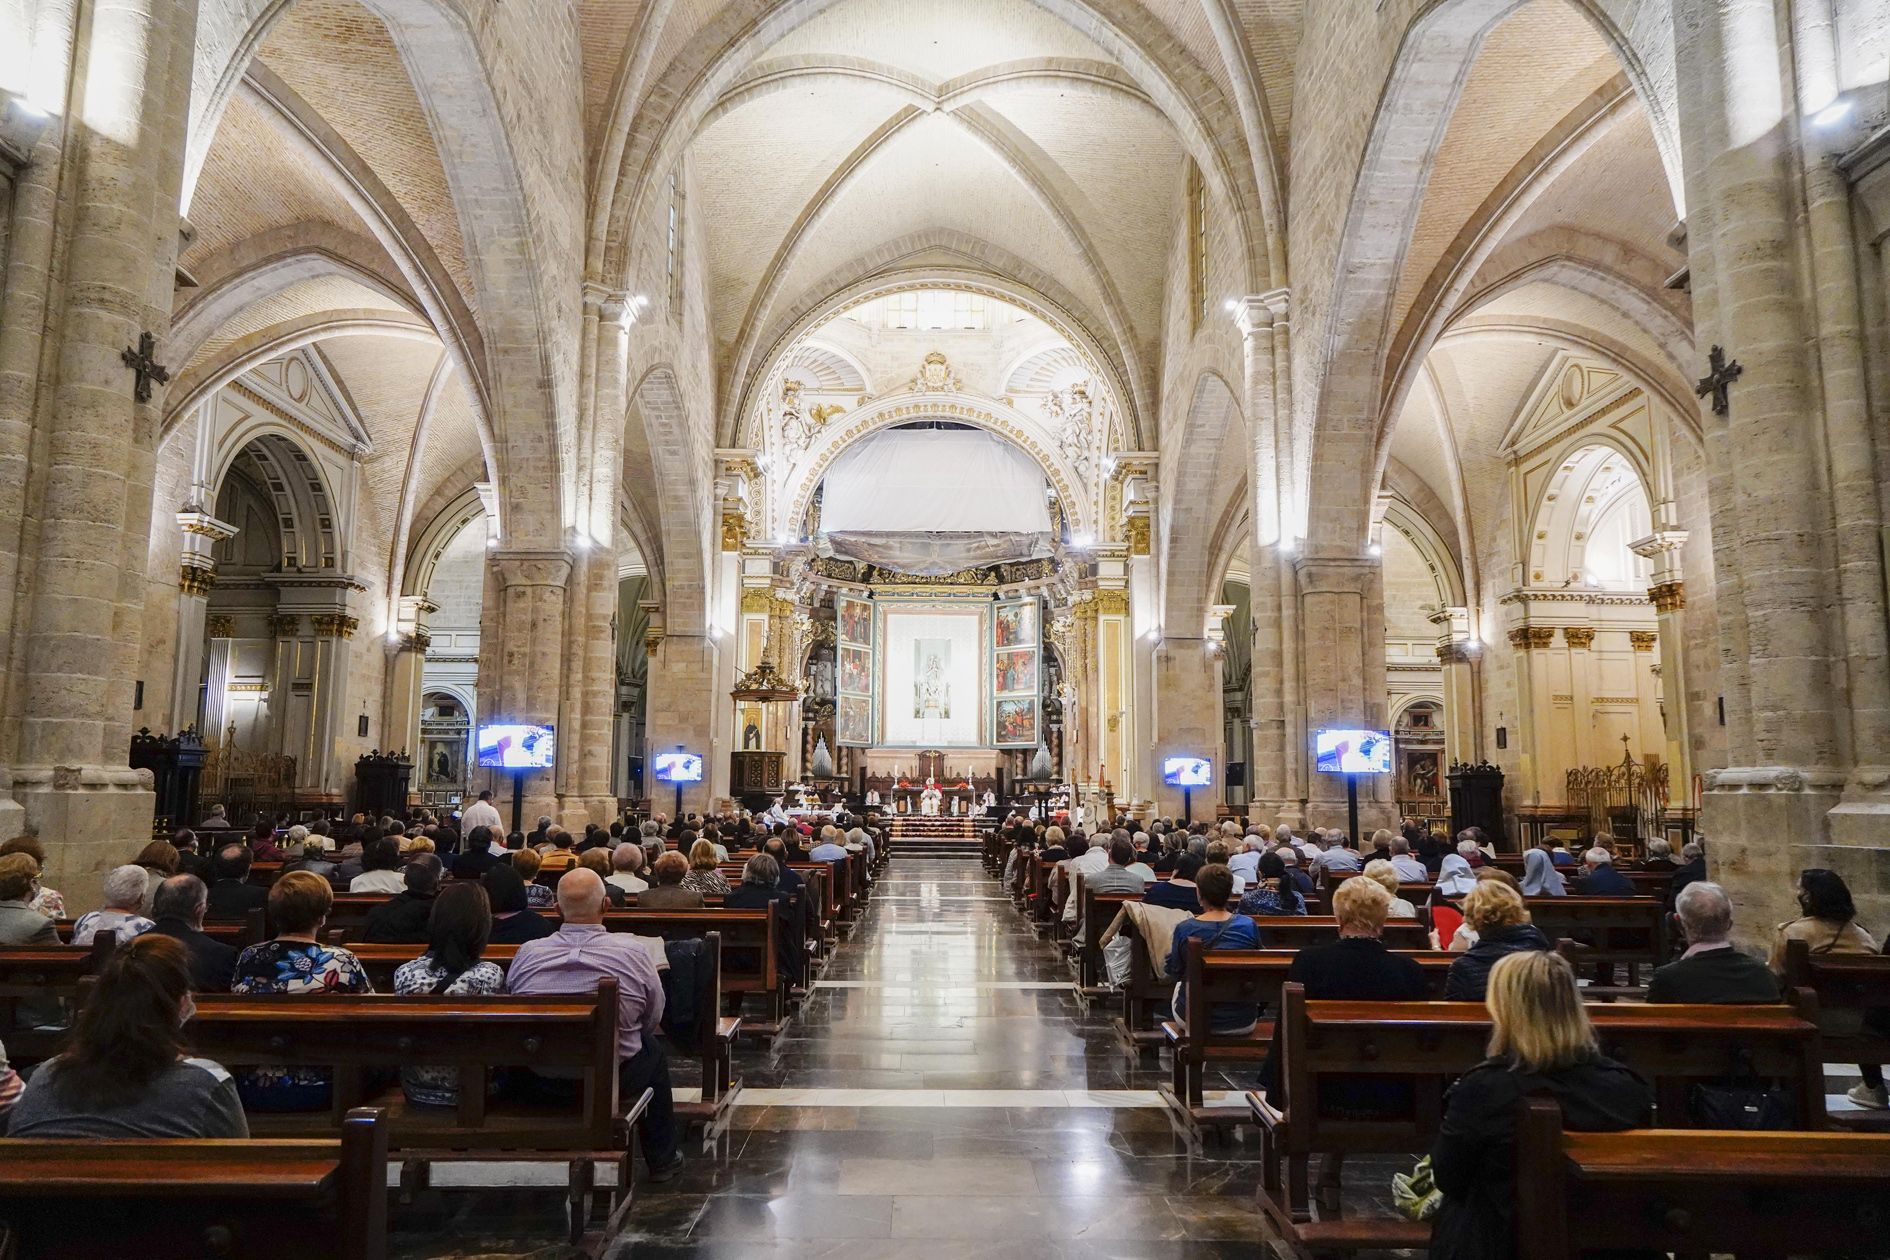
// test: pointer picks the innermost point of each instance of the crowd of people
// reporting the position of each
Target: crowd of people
(452, 889)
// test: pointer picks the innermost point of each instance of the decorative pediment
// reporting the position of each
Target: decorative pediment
(1568, 391)
(300, 387)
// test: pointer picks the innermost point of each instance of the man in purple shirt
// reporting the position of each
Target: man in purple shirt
(572, 960)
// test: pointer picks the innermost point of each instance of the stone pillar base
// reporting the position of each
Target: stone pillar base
(1859, 848)
(89, 818)
(1764, 824)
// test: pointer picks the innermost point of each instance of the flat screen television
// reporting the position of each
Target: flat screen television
(679, 767)
(516, 746)
(1352, 752)
(1187, 771)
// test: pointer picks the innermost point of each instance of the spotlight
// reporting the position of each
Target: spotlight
(1375, 550)
(1831, 115)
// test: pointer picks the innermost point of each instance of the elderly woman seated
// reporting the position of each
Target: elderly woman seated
(123, 914)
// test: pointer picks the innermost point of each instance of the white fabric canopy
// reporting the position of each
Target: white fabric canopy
(929, 481)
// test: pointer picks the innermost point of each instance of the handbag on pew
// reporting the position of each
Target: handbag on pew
(1743, 1102)
(1415, 1194)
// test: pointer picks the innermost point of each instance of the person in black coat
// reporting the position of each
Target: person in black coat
(1602, 880)
(478, 857)
(513, 921)
(1542, 1044)
(232, 895)
(1712, 970)
(403, 919)
(1691, 871)
(1355, 968)
(760, 887)
(1495, 912)
(177, 908)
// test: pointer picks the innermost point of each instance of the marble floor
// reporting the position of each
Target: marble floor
(943, 1093)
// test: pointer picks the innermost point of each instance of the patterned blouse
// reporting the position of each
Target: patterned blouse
(127, 927)
(50, 904)
(539, 897)
(293, 967)
(710, 883)
(439, 1086)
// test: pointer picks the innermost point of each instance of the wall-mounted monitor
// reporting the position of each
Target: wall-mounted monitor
(516, 746)
(1352, 752)
(678, 767)
(1187, 771)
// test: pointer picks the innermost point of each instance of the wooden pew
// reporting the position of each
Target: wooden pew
(750, 956)
(184, 1199)
(240, 933)
(42, 984)
(1253, 978)
(1850, 988)
(358, 1039)
(1430, 1044)
(1610, 930)
(1695, 1192)
(1098, 911)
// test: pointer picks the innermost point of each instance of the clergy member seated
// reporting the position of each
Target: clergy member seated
(1712, 970)
(1216, 927)
(668, 892)
(125, 1072)
(572, 960)
(177, 910)
(403, 920)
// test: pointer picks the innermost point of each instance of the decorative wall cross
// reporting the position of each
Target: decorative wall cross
(1718, 379)
(143, 362)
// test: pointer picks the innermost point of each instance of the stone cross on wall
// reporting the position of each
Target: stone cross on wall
(1718, 379)
(143, 362)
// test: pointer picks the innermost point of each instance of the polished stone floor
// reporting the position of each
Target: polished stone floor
(943, 1093)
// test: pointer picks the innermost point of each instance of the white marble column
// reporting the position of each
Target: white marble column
(196, 576)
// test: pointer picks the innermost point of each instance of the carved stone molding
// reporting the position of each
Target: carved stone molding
(1579, 636)
(195, 579)
(734, 531)
(334, 625)
(1643, 640)
(1136, 530)
(1668, 596)
(285, 626)
(1457, 652)
(220, 627)
(1528, 638)
(1112, 601)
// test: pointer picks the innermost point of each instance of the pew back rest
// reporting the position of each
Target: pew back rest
(1840, 981)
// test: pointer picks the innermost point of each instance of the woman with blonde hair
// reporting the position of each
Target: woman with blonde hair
(703, 877)
(1495, 912)
(1381, 872)
(1541, 1044)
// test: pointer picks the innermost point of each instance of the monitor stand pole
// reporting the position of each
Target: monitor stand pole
(518, 800)
(1351, 809)
(1187, 805)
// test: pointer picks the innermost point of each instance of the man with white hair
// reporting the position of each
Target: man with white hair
(1711, 970)
(626, 860)
(1409, 869)
(1602, 880)
(572, 960)
(124, 898)
(1336, 856)
(1246, 860)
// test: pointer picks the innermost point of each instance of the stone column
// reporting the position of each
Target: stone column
(1083, 719)
(406, 687)
(105, 263)
(196, 575)
(1262, 323)
(1341, 613)
(1187, 719)
(1581, 700)
(286, 629)
(1458, 654)
(1647, 684)
(1669, 597)
(1115, 682)
(684, 700)
(1781, 625)
(328, 690)
(1535, 715)
(521, 636)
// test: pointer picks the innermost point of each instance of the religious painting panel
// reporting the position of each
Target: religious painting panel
(1016, 722)
(856, 671)
(1421, 774)
(1015, 672)
(854, 618)
(853, 722)
(853, 625)
(1016, 625)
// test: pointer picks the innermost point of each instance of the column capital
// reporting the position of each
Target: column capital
(531, 568)
(1531, 638)
(1582, 637)
(196, 574)
(1259, 310)
(334, 625)
(607, 302)
(285, 625)
(1643, 640)
(220, 626)
(1668, 597)
(193, 520)
(1459, 652)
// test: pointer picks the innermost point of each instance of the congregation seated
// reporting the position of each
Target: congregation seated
(125, 1071)
(1601, 879)
(1335, 856)
(1355, 968)
(459, 926)
(1712, 970)
(1121, 875)
(1385, 875)
(295, 962)
(513, 920)
(123, 912)
(177, 911)
(626, 869)
(539, 896)
(1178, 891)
(1273, 892)
(1216, 927)
(20, 922)
(760, 886)
(703, 876)
(1409, 869)
(1828, 924)
(556, 856)
(1494, 912)
(670, 890)
(262, 842)
(1659, 857)
(572, 960)
(829, 849)
(1540, 878)
(403, 919)
(1541, 1044)
(380, 867)
(314, 859)
(1691, 870)
(776, 847)
(485, 848)
(159, 862)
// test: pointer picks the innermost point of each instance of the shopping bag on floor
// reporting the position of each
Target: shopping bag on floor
(1415, 1194)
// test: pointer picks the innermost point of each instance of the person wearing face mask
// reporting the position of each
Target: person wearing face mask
(126, 1072)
